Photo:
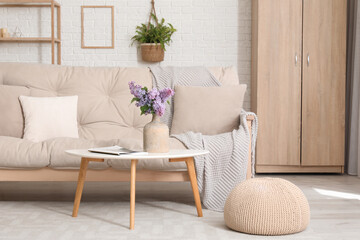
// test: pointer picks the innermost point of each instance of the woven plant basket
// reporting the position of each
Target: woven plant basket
(152, 52)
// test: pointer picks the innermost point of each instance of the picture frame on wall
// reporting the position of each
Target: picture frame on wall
(97, 27)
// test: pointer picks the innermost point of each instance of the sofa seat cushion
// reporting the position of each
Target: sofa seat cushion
(61, 160)
(21, 153)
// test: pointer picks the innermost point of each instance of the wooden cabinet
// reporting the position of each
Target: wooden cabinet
(324, 69)
(298, 84)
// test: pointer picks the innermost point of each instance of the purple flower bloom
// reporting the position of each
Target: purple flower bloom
(159, 108)
(153, 93)
(150, 102)
(166, 93)
(136, 90)
(144, 100)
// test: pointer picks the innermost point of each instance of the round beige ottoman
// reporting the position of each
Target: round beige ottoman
(267, 206)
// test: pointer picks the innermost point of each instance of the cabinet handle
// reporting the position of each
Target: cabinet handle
(296, 59)
(308, 59)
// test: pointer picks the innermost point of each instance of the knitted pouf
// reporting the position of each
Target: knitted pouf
(267, 206)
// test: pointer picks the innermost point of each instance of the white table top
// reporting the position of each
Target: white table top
(172, 154)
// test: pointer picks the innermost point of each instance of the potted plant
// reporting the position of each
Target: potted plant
(153, 38)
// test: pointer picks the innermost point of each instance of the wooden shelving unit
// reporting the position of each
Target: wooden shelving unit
(29, 39)
(53, 40)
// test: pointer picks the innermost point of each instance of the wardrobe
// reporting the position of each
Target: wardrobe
(298, 84)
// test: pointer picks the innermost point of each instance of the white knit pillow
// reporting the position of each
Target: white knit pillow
(49, 117)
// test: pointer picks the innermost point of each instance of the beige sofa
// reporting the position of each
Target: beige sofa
(105, 117)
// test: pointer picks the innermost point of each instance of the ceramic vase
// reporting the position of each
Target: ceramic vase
(156, 136)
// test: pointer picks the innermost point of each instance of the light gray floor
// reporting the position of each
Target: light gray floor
(163, 211)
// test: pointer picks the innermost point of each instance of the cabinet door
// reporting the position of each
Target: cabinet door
(324, 59)
(277, 98)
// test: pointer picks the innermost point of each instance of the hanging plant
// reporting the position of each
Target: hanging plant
(153, 38)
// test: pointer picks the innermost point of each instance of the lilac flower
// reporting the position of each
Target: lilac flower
(153, 93)
(150, 102)
(144, 100)
(136, 90)
(166, 93)
(159, 108)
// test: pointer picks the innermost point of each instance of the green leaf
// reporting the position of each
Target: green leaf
(135, 99)
(144, 109)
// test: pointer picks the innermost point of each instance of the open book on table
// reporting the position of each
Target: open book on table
(115, 150)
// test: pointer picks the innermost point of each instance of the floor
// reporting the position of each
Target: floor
(163, 211)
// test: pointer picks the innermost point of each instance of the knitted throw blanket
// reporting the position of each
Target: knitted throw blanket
(226, 165)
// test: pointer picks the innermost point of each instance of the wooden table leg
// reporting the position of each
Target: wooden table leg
(80, 185)
(132, 193)
(192, 175)
(81, 181)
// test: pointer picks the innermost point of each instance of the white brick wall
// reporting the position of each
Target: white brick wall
(210, 33)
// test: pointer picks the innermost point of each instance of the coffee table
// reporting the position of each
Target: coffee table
(186, 156)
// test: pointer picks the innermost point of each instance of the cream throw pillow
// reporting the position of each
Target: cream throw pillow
(49, 117)
(207, 110)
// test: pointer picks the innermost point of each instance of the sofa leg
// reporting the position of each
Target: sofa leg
(192, 175)
(80, 185)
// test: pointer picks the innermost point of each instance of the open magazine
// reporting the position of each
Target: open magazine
(115, 150)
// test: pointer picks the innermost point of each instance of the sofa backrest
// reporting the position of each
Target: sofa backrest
(104, 109)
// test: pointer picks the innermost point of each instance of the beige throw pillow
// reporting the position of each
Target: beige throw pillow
(207, 110)
(49, 117)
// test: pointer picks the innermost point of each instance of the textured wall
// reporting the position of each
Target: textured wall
(210, 33)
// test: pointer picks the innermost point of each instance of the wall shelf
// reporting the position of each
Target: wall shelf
(29, 39)
(26, 1)
(53, 40)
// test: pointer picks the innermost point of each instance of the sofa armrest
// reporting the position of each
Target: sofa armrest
(249, 120)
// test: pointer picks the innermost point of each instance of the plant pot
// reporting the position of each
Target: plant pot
(156, 136)
(152, 52)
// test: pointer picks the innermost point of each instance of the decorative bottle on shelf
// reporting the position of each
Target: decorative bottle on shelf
(156, 136)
